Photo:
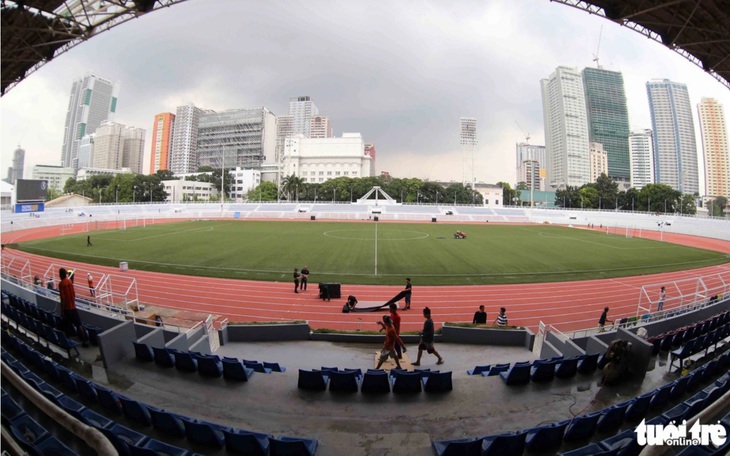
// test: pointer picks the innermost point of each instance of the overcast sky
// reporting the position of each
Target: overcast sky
(400, 73)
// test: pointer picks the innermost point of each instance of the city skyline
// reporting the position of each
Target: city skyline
(403, 88)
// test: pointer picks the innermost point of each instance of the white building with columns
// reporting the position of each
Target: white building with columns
(317, 160)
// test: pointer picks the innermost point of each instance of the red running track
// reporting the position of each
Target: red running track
(568, 306)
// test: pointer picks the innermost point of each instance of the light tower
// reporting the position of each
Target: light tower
(468, 141)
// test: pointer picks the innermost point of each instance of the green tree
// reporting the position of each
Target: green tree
(291, 186)
(657, 197)
(607, 192)
(568, 197)
(266, 191)
(716, 207)
(588, 197)
(687, 205)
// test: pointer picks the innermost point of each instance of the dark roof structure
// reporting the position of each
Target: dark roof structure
(36, 31)
(699, 30)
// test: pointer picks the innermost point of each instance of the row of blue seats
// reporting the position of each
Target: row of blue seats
(605, 421)
(128, 441)
(675, 338)
(47, 317)
(681, 412)
(698, 344)
(205, 364)
(374, 380)
(42, 332)
(546, 368)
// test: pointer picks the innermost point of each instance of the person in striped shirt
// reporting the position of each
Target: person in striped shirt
(501, 319)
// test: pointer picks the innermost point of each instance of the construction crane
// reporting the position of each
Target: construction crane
(527, 136)
(598, 48)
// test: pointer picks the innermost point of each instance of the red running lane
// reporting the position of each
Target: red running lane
(568, 306)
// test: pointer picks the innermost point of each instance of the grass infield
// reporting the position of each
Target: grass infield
(377, 253)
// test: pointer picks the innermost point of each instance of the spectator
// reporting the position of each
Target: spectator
(501, 319)
(480, 316)
(305, 278)
(427, 336)
(70, 314)
(602, 321)
(391, 340)
(297, 275)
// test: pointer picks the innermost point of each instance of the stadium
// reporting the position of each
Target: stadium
(208, 314)
(183, 363)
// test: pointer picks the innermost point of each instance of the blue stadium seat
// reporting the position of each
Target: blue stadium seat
(344, 382)
(508, 444)
(185, 362)
(312, 380)
(545, 438)
(209, 366)
(594, 449)
(438, 382)
(153, 447)
(542, 371)
(257, 366)
(679, 386)
(458, 447)
(567, 368)
(166, 422)
(375, 382)
(275, 367)
(143, 352)
(94, 419)
(50, 445)
(87, 389)
(122, 437)
(478, 369)
(581, 427)
(661, 397)
(588, 363)
(517, 375)
(135, 411)
(612, 418)
(239, 441)
(290, 446)
(109, 400)
(234, 370)
(496, 370)
(407, 382)
(204, 433)
(638, 407)
(163, 357)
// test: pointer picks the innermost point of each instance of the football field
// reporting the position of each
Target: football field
(377, 253)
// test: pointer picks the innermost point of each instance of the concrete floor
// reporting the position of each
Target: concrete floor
(356, 424)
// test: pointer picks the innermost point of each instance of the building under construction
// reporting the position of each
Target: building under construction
(244, 138)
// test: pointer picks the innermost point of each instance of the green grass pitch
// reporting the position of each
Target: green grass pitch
(377, 253)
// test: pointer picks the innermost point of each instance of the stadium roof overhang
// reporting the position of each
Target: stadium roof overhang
(36, 31)
(699, 30)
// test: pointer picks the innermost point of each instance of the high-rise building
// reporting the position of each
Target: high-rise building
(108, 149)
(641, 148)
(608, 119)
(86, 151)
(525, 154)
(468, 141)
(566, 128)
(184, 158)
(675, 149)
(93, 100)
(302, 109)
(162, 130)
(133, 149)
(16, 171)
(117, 146)
(715, 147)
(599, 160)
(244, 138)
(320, 127)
